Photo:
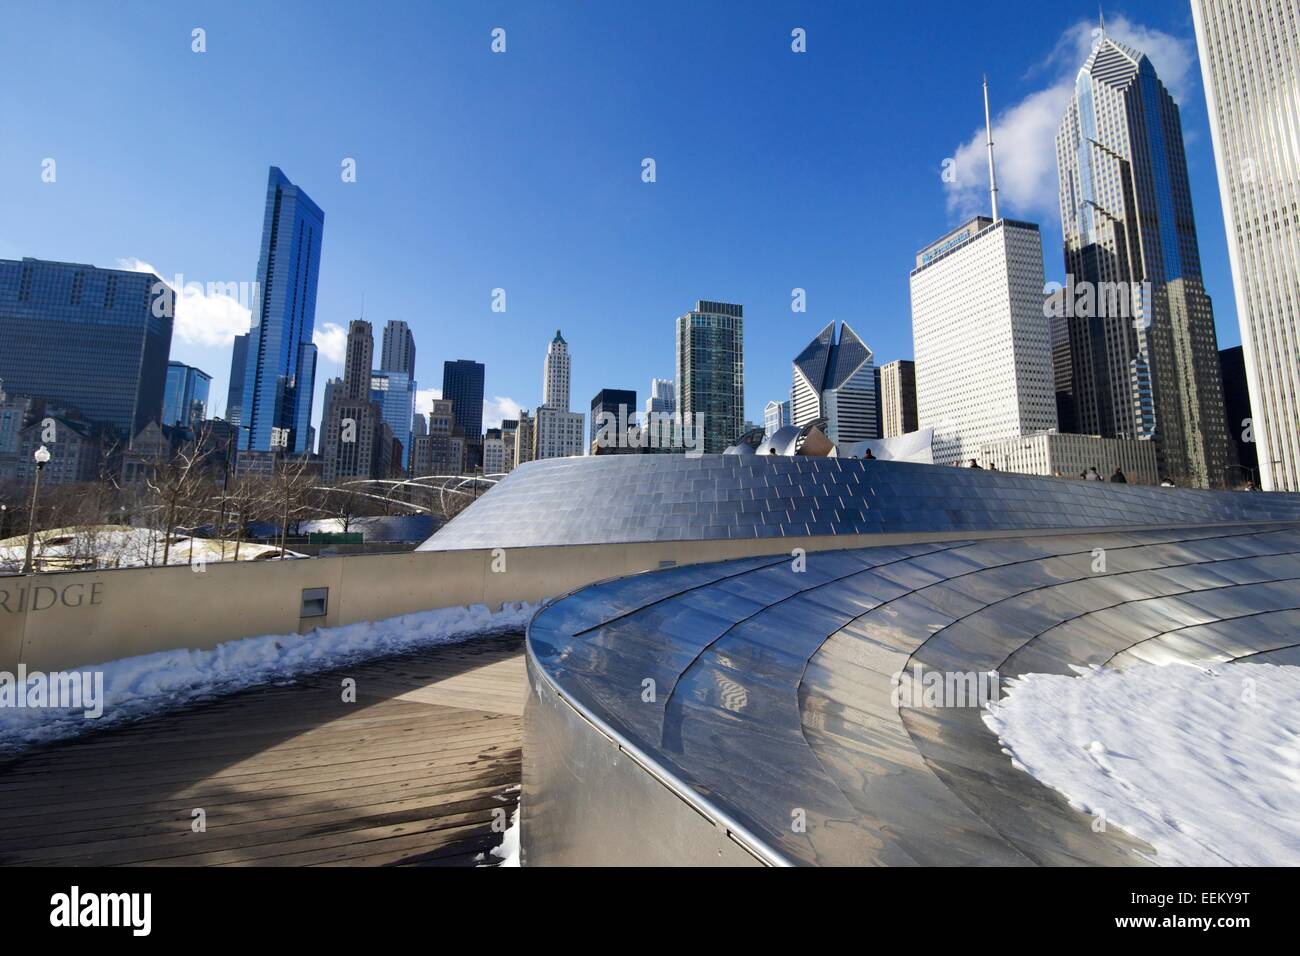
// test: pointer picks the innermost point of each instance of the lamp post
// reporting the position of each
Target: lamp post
(42, 455)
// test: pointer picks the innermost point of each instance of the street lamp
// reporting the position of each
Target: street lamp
(42, 455)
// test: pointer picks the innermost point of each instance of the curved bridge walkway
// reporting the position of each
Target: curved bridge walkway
(421, 769)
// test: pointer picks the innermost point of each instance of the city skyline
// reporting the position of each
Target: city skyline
(368, 265)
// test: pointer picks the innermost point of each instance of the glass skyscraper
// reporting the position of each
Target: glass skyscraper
(462, 384)
(711, 372)
(280, 372)
(94, 339)
(395, 393)
(185, 399)
(1144, 354)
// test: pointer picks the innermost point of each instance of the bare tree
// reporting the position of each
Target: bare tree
(182, 486)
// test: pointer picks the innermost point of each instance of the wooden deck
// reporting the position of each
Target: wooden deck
(409, 774)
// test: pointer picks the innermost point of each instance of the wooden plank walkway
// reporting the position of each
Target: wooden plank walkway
(413, 773)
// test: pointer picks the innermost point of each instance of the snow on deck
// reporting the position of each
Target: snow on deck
(1201, 762)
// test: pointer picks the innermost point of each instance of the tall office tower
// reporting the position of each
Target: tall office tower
(1058, 330)
(618, 405)
(419, 425)
(96, 340)
(663, 397)
(710, 370)
(1130, 244)
(185, 397)
(235, 390)
(1250, 62)
(395, 394)
(836, 380)
(524, 438)
(280, 373)
(462, 385)
(556, 373)
(878, 433)
(354, 443)
(897, 398)
(1237, 405)
(983, 358)
(398, 352)
(775, 415)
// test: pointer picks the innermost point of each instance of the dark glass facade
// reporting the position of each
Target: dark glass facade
(280, 371)
(609, 400)
(238, 365)
(94, 339)
(462, 385)
(185, 399)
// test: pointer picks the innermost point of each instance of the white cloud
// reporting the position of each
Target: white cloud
(424, 398)
(497, 408)
(331, 341)
(205, 315)
(1024, 134)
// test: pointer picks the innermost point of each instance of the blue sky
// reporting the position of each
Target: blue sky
(522, 170)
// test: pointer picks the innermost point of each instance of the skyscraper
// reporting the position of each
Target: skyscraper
(663, 398)
(462, 385)
(1236, 403)
(93, 339)
(185, 398)
(836, 380)
(556, 373)
(897, 398)
(355, 441)
(710, 372)
(1130, 245)
(398, 353)
(235, 391)
(280, 373)
(609, 433)
(1250, 61)
(983, 360)
(775, 415)
(557, 432)
(395, 394)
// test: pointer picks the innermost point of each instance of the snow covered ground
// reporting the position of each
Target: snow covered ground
(121, 546)
(508, 851)
(150, 684)
(1201, 762)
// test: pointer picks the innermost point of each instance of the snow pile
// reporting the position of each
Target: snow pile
(121, 546)
(1200, 761)
(508, 851)
(144, 686)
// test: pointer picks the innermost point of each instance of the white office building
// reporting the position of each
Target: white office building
(980, 339)
(836, 380)
(1070, 456)
(556, 373)
(775, 415)
(1250, 62)
(558, 433)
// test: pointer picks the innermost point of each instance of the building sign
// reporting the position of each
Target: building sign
(18, 598)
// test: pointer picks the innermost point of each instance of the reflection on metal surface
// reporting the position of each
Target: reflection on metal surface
(616, 499)
(784, 717)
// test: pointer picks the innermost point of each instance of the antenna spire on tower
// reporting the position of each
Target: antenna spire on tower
(988, 127)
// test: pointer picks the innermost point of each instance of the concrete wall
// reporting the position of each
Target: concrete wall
(67, 619)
